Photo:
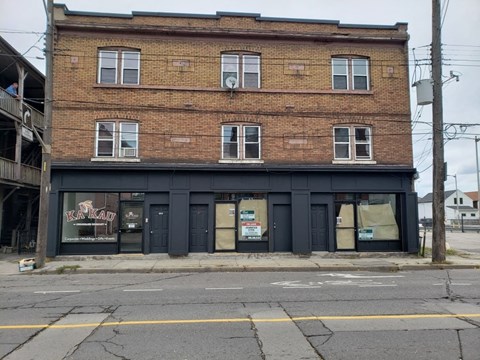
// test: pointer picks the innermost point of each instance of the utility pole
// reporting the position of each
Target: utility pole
(41, 250)
(438, 213)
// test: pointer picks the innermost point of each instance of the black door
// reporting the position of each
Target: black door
(159, 228)
(319, 227)
(198, 228)
(282, 228)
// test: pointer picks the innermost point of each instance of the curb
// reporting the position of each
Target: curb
(205, 269)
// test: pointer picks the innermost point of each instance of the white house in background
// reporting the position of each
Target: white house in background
(453, 213)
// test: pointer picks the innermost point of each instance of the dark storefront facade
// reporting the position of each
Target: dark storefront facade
(199, 209)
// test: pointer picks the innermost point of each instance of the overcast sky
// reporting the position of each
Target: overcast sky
(461, 49)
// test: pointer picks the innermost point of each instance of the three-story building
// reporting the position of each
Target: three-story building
(179, 133)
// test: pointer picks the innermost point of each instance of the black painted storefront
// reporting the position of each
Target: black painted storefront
(181, 206)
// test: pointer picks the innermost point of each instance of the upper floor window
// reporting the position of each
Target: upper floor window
(116, 139)
(352, 143)
(350, 74)
(240, 142)
(240, 70)
(119, 67)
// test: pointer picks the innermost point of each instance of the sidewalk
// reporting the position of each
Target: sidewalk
(163, 263)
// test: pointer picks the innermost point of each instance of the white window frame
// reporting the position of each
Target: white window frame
(237, 63)
(129, 68)
(122, 150)
(352, 143)
(241, 142)
(119, 66)
(100, 65)
(117, 149)
(240, 62)
(350, 72)
(97, 138)
(244, 142)
(244, 67)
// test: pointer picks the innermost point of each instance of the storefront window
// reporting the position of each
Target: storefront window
(252, 218)
(377, 217)
(90, 217)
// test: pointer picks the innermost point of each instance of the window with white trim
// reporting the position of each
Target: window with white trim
(241, 142)
(116, 139)
(240, 71)
(352, 143)
(350, 74)
(119, 67)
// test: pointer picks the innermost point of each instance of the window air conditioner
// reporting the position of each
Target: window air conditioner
(129, 152)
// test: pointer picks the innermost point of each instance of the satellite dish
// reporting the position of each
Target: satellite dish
(230, 82)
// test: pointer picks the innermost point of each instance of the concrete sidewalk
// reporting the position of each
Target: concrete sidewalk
(163, 263)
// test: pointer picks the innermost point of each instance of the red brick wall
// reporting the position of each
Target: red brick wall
(190, 105)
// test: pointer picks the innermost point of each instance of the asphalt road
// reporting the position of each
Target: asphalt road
(281, 315)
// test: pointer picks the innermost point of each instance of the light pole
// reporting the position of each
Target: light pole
(456, 198)
(478, 178)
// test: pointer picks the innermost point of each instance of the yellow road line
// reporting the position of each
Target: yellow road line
(238, 320)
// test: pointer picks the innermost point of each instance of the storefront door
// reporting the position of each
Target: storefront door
(198, 228)
(345, 226)
(319, 228)
(225, 226)
(131, 227)
(159, 228)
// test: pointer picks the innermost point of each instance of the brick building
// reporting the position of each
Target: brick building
(230, 132)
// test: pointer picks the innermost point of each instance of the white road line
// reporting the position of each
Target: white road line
(459, 284)
(225, 288)
(142, 290)
(302, 287)
(56, 291)
(376, 285)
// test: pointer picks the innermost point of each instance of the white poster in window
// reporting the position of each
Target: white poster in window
(251, 230)
(247, 215)
(365, 234)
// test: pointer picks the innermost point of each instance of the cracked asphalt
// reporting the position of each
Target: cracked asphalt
(280, 315)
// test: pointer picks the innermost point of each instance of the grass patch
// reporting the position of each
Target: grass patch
(69, 268)
(448, 252)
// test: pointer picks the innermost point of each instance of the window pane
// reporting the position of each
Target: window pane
(251, 64)
(250, 80)
(230, 142)
(360, 66)
(131, 66)
(339, 66)
(107, 76)
(340, 82)
(230, 63)
(342, 151)
(108, 67)
(362, 134)
(105, 139)
(342, 135)
(360, 83)
(362, 151)
(130, 76)
(131, 60)
(226, 75)
(90, 217)
(252, 151)
(251, 133)
(376, 217)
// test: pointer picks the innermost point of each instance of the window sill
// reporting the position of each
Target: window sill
(112, 159)
(235, 161)
(354, 162)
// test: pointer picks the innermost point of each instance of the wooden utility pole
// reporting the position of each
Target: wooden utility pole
(438, 211)
(41, 250)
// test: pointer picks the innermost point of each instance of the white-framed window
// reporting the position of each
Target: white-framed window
(241, 142)
(116, 139)
(118, 67)
(352, 143)
(350, 74)
(240, 71)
